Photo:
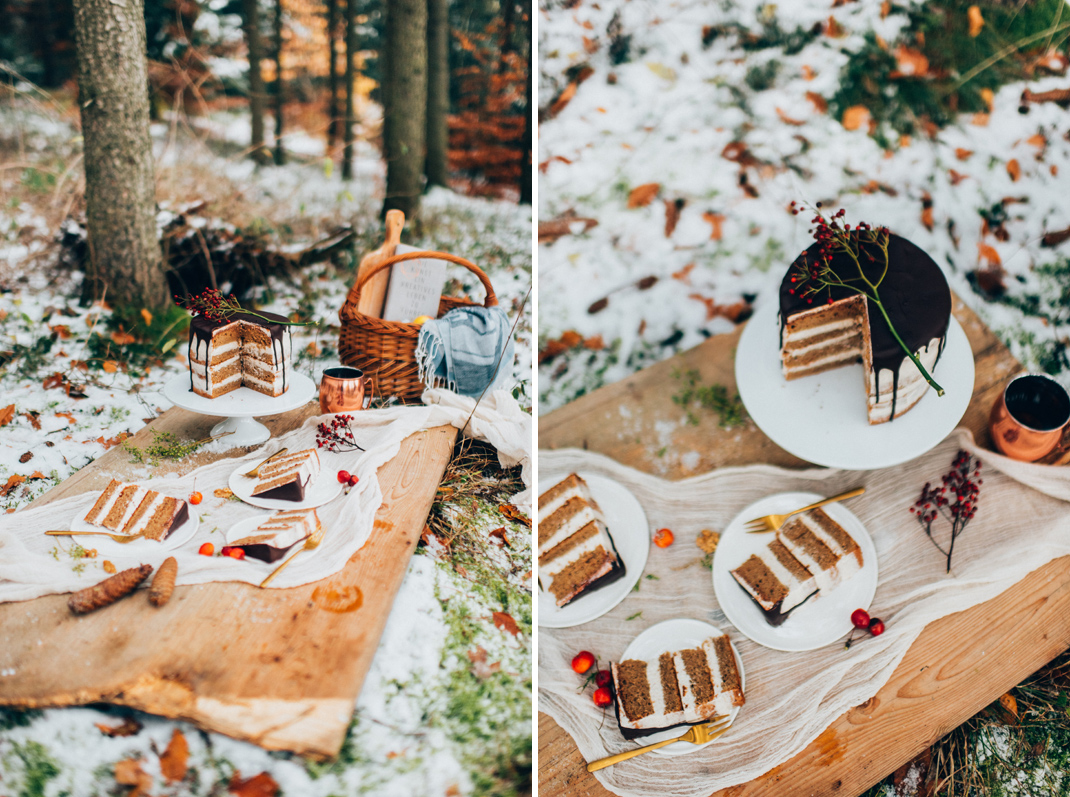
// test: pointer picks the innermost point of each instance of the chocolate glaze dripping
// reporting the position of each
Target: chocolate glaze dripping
(202, 327)
(914, 293)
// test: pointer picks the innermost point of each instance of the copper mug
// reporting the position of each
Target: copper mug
(1029, 417)
(342, 389)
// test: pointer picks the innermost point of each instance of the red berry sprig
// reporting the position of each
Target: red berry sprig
(811, 277)
(213, 305)
(337, 436)
(861, 620)
(955, 498)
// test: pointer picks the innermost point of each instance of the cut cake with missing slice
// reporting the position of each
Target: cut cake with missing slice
(576, 551)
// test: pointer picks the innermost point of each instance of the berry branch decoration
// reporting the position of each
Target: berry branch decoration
(832, 237)
(955, 499)
(213, 305)
(337, 435)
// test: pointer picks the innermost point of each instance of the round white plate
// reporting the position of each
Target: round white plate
(239, 406)
(106, 545)
(820, 621)
(665, 637)
(631, 536)
(247, 527)
(822, 418)
(324, 489)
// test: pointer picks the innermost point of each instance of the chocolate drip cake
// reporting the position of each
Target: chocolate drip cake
(287, 478)
(129, 509)
(817, 335)
(240, 350)
(678, 688)
(810, 553)
(576, 552)
(278, 534)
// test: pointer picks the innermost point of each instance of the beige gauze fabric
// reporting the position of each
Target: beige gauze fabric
(32, 564)
(1022, 522)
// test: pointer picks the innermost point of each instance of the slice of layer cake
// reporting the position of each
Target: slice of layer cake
(776, 581)
(576, 552)
(287, 478)
(836, 326)
(278, 534)
(130, 509)
(679, 688)
(823, 546)
(241, 350)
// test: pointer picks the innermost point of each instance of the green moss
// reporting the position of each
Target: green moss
(16, 717)
(38, 768)
(694, 396)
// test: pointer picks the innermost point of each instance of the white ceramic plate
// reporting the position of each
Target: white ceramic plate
(673, 635)
(248, 526)
(822, 418)
(324, 489)
(631, 535)
(106, 545)
(821, 620)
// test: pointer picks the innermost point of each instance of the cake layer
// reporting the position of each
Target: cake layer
(776, 581)
(823, 546)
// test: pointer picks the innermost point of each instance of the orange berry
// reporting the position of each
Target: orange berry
(663, 538)
(583, 661)
(206, 550)
(236, 553)
(195, 498)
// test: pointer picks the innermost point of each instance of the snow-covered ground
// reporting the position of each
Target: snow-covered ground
(698, 119)
(436, 715)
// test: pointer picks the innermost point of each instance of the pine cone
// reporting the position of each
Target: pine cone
(109, 590)
(163, 583)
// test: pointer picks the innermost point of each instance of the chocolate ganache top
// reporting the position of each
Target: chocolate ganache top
(914, 293)
(201, 326)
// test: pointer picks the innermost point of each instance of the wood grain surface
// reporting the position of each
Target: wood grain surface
(956, 667)
(280, 667)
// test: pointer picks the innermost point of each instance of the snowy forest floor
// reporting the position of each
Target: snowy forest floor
(674, 137)
(446, 707)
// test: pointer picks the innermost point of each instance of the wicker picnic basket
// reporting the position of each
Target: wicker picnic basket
(386, 350)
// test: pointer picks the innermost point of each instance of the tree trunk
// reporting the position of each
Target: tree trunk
(405, 113)
(348, 133)
(280, 153)
(332, 77)
(120, 187)
(438, 92)
(526, 176)
(251, 20)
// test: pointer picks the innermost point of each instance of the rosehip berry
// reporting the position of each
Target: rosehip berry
(583, 661)
(876, 626)
(195, 498)
(206, 550)
(860, 618)
(602, 678)
(663, 538)
(343, 476)
(353, 481)
(602, 697)
(225, 550)
(236, 553)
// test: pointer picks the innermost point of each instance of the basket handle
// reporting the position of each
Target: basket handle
(490, 301)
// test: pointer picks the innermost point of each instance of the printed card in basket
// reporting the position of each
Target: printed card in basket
(415, 287)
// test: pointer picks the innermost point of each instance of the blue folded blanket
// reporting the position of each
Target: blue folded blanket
(467, 350)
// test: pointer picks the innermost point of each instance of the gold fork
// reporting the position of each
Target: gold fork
(256, 471)
(311, 542)
(698, 734)
(123, 538)
(773, 522)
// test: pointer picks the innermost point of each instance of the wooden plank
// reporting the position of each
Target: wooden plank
(623, 419)
(955, 667)
(280, 668)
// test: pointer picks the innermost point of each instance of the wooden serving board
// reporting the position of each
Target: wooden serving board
(957, 666)
(278, 667)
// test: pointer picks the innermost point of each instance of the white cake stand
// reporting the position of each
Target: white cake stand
(240, 406)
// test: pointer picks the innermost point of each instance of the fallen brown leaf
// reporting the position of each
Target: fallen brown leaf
(70, 418)
(977, 21)
(1014, 170)
(129, 726)
(262, 785)
(55, 380)
(504, 622)
(121, 338)
(550, 231)
(683, 274)
(1055, 238)
(855, 117)
(963, 154)
(819, 102)
(1009, 704)
(478, 657)
(110, 366)
(956, 177)
(672, 214)
(7, 414)
(989, 254)
(643, 195)
(787, 119)
(515, 514)
(910, 62)
(499, 534)
(569, 339)
(128, 772)
(834, 29)
(715, 220)
(594, 343)
(807, 73)
(145, 314)
(927, 217)
(13, 481)
(62, 331)
(33, 416)
(175, 759)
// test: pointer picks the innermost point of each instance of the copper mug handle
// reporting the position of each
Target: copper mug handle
(1028, 418)
(343, 389)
